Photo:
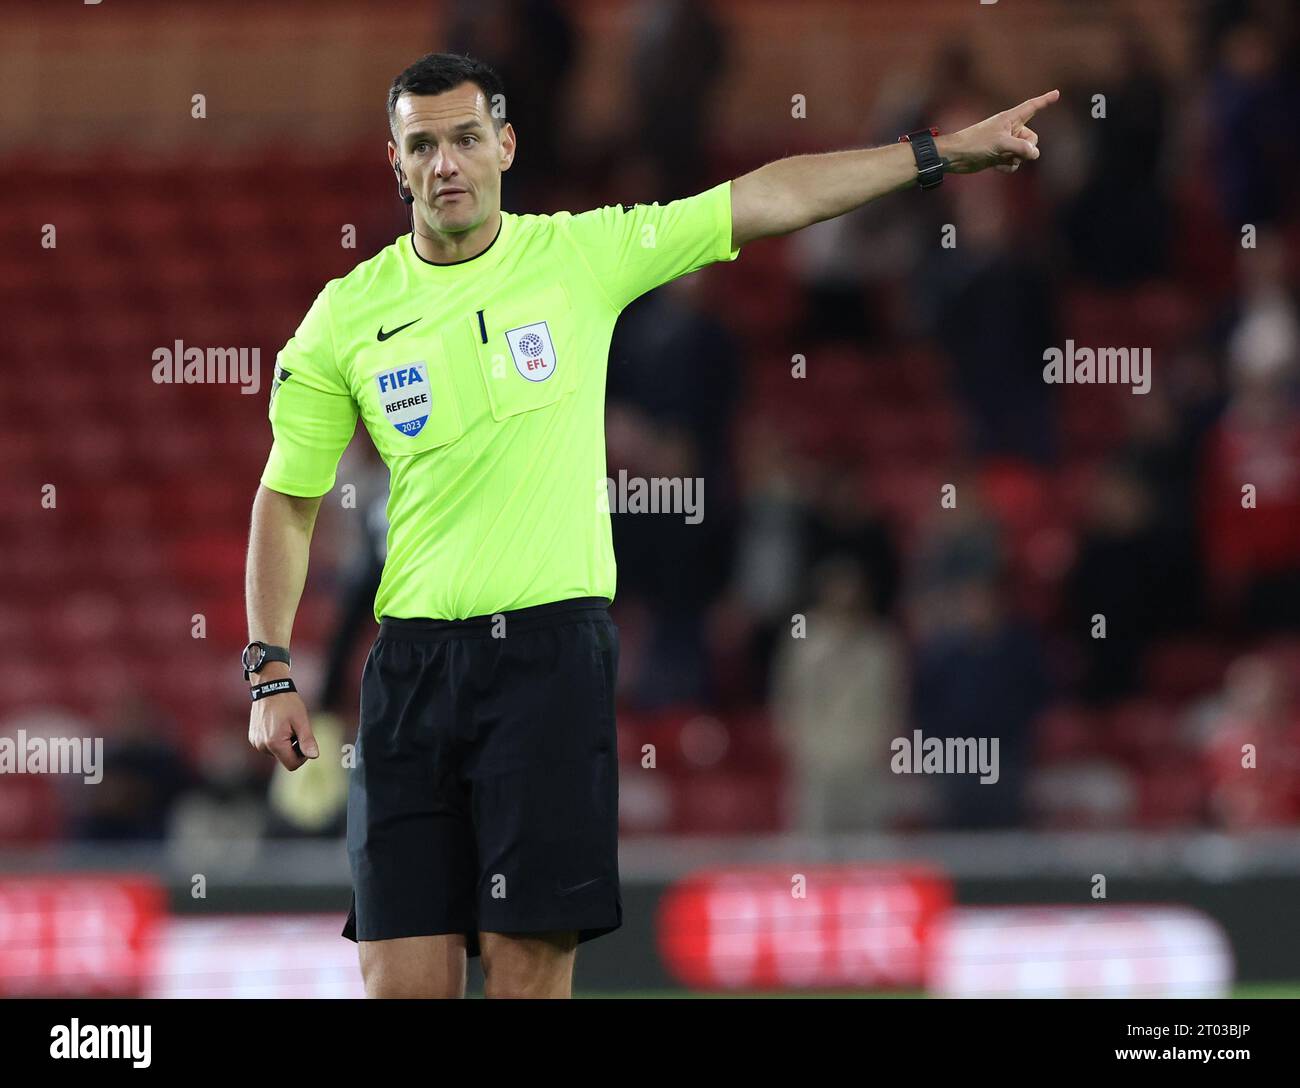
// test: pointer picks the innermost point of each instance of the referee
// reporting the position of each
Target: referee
(483, 801)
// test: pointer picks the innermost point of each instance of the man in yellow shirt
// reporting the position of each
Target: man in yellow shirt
(483, 807)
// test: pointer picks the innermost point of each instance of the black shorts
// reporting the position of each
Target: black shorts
(484, 795)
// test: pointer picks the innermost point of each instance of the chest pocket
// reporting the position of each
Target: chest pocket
(411, 406)
(526, 352)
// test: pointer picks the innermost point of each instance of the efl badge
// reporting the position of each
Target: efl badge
(532, 350)
(404, 397)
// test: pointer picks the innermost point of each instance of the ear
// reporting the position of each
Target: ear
(507, 141)
(392, 154)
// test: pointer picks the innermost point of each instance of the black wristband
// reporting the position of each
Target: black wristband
(930, 165)
(271, 687)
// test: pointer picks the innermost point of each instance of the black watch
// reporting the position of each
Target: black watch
(930, 165)
(257, 654)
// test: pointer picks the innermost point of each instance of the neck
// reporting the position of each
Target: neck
(449, 248)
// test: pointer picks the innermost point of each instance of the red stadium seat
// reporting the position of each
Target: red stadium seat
(1173, 793)
(1143, 732)
(1181, 669)
(728, 803)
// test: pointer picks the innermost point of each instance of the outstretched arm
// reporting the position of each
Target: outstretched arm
(789, 194)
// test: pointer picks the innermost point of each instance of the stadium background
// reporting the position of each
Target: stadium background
(1167, 224)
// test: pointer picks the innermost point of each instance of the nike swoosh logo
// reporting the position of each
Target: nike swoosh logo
(385, 335)
(578, 887)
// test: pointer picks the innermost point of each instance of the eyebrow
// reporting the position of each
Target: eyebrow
(463, 127)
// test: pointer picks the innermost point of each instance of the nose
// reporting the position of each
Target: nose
(445, 167)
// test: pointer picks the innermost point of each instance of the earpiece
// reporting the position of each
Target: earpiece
(403, 193)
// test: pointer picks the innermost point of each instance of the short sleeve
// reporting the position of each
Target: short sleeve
(312, 411)
(634, 248)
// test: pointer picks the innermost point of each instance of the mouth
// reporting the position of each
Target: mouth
(449, 192)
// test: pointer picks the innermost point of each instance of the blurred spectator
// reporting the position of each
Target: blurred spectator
(991, 305)
(981, 675)
(673, 360)
(848, 267)
(1254, 553)
(673, 568)
(829, 261)
(957, 546)
(956, 93)
(1123, 573)
(838, 700)
(1264, 321)
(221, 818)
(144, 776)
(532, 45)
(1118, 225)
(1253, 94)
(1160, 448)
(671, 392)
(843, 522)
(767, 570)
(679, 59)
(1258, 709)
(360, 579)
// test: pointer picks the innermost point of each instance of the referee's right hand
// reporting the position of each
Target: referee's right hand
(278, 724)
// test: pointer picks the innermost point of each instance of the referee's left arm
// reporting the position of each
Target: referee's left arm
(793, 193)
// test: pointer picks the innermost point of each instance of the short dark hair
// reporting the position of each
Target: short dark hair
(435, 73)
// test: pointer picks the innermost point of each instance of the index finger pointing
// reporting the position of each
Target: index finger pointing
(1030, 106)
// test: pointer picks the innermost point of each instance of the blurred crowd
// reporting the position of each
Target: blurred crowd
(922, 626)
(801, 593)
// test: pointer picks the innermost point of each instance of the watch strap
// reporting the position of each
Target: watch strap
(257, 655)
(930, 165)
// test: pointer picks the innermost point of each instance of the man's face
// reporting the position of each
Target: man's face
(452, 156)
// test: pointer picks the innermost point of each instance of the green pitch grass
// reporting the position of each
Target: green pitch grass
(1283, 990)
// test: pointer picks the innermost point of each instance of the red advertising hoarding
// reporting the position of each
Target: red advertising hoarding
(802, 927)
(78, 936)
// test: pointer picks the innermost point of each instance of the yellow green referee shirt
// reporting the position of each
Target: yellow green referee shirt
(482, 384)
